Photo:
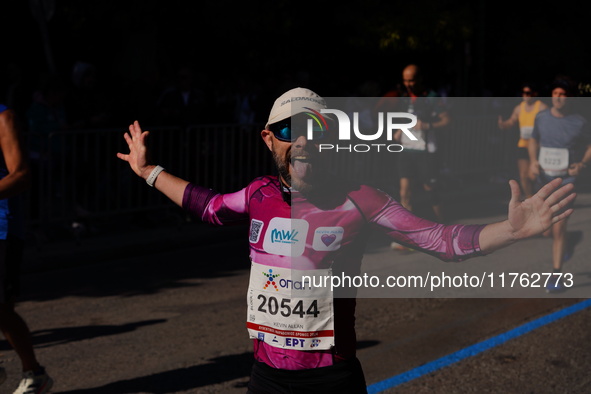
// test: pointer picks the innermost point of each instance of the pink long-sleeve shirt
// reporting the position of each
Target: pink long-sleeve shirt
(352, 210)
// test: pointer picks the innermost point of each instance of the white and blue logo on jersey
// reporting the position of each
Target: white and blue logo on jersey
(286, 237)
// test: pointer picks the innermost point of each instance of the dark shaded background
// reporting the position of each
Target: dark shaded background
(466, 48)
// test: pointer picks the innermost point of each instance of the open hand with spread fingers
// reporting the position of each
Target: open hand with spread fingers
(538, 213)
(138, 152)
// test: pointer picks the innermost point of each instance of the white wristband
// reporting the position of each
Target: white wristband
(153, 175)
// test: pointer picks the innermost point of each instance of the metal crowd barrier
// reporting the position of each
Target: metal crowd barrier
(77, 172)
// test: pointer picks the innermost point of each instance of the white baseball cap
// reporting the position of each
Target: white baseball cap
(293, 102)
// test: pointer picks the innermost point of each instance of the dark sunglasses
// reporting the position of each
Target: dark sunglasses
(527, 92)
(288, 130)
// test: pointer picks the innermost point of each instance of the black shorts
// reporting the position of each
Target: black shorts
(11, 256)
(345, 377)
(419, 166)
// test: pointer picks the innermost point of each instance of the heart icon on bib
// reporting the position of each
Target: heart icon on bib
(328, 239)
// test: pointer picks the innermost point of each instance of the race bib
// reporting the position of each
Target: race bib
(285, 311)
(419, 144)
(525, 132)
(554, 161)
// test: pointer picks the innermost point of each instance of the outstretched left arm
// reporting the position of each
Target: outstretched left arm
(530, 217)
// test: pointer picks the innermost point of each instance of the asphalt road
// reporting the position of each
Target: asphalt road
(158, 319)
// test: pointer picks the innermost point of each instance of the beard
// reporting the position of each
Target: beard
(301, 185)
(304, 170)
(282, 168)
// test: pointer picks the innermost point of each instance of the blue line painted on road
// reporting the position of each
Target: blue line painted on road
(475, 349)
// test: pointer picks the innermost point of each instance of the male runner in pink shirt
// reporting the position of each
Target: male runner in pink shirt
(302, 221)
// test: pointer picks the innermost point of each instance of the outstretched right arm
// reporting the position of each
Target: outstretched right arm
(138, 159)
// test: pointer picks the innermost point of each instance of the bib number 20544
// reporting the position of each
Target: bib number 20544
(287, 316)
(272, 306)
